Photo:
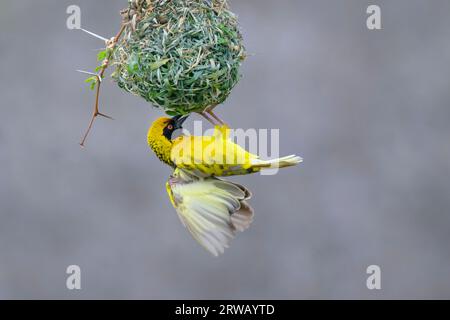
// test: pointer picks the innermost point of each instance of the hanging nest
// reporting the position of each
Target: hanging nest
(181, 55)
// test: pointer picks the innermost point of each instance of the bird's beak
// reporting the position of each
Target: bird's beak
(178, 121)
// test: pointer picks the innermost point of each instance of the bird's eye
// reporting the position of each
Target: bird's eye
(170, 127)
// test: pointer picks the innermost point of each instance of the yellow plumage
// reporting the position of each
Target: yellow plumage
(214, 155)
(213, 210)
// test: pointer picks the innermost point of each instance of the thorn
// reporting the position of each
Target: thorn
(95, 35)
(87, 72)
(91, 74)
(105, 116)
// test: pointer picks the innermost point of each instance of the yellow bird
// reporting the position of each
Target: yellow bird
(212, 210)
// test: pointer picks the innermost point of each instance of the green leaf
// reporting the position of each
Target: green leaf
(102, 55)
(92, 82)
(91, 79)
(158, 64)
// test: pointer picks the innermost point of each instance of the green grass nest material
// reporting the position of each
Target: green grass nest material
(183, 56)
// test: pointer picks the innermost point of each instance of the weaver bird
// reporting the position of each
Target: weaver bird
(212, 209)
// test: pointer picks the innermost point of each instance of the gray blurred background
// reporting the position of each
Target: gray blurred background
(368, 110)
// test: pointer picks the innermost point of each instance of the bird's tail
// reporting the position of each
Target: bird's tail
(284, 162)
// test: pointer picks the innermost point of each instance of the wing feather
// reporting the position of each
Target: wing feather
(212, 210)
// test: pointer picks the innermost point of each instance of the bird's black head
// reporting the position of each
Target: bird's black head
(172, 125)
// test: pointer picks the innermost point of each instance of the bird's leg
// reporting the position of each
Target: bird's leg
(205, 115)
(210, 109)
(220, 121)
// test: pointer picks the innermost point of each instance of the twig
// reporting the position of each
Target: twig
(110, 44)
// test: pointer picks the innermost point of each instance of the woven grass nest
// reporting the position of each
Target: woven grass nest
(181, 55)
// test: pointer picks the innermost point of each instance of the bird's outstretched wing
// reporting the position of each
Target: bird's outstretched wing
(213, 210)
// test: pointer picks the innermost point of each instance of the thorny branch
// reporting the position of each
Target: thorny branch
(130, 17)
(110, 44)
